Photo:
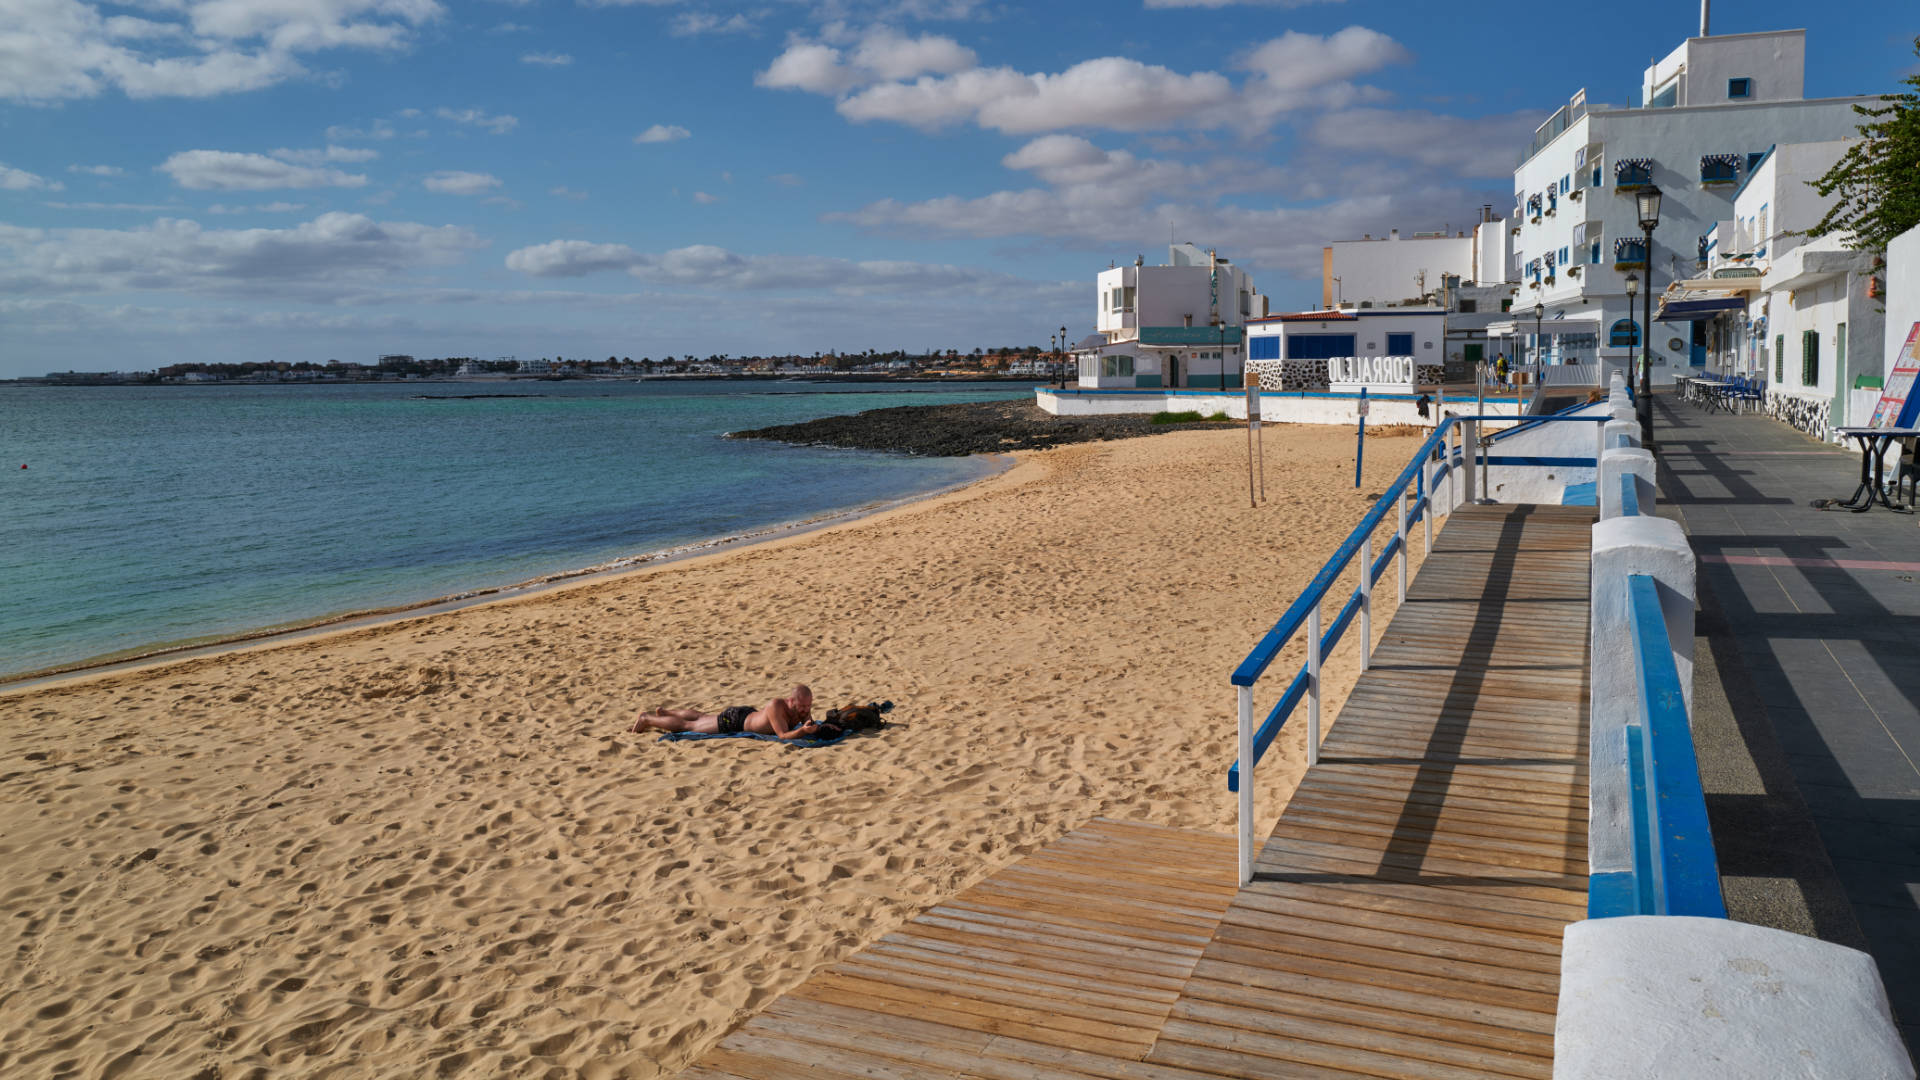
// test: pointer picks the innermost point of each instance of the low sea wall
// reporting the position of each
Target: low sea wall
(1284, 407)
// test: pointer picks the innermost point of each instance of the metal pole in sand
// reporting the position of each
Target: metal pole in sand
(1360, 451)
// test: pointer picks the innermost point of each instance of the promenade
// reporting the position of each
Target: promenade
(1808, 686)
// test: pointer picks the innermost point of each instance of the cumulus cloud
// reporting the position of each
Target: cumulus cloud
(1480, 146)
(691, 23)
(257, 208)
(705, 199)
(548, 59)
(930, 82)
(149, 208)
(880, 54)
(224, 170)
(498, 125)
(453, 182)
(565, 192)
(329, 155)
(662, 133)
(21, 180)
(707, 266)
(54, 50)
(314, 260)
(379, 129)
(97, 170)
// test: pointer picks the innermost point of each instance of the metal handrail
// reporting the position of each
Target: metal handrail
(1305, 610)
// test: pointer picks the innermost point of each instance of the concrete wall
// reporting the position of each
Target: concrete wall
(1492, 253)
(1274, 408)
(1776, 61)
(1903, 295)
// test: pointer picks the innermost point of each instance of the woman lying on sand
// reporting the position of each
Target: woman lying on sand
(790, 717)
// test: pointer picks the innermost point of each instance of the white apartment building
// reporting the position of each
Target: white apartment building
(1708, 114)
(1175, 326)
(1389, 270)
(1801, 314)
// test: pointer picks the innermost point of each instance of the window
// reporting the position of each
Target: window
(1563, 257)
(1596, 176)
(1506, 303)
(1666, 96)
(1399, 344)
(1263, 348)
(1468, 307)
(1739, 88)
(1116, 366)
(1318, 346)
(1809, 357)
(1566, 184)
(1126, 298)
(1779, 358)
(1593, 253)
(1754, 160)
(1633, 172)
(1629, 251)
(1719, 168)
(1625, 333)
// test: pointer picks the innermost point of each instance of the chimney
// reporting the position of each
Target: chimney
(1366, 236)
(1704, 6)
(1396, 234)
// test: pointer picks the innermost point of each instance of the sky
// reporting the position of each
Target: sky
(306, 180)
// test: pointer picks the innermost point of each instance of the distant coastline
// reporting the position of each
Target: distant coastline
(496, 380)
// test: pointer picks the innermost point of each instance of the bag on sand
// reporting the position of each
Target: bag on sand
(858, 717)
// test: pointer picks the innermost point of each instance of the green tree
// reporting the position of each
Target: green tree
(1878, 181)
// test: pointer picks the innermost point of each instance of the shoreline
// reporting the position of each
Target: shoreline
(164, 652)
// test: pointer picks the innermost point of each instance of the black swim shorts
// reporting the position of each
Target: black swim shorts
(733, 720)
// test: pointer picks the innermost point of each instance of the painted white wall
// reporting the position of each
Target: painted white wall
(1903, 295)
(1714, 999)
(1776, 61)
(1274, 408)
(1676, 139)
(1386, 270)
(1370, 327)
(1492, 253)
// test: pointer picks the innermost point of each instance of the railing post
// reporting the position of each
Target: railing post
(1246, 783)
(1433, 499)
(1313, 684)
(1470, 440)
(1366, 602)
(1453, 471)
(1403, 546)
(1599, 451)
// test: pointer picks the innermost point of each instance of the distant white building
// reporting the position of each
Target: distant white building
(1173, 326)
(1388, 270)
(1301, 351)
(1708, 113)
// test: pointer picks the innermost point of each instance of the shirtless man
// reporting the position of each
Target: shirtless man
(789, 717)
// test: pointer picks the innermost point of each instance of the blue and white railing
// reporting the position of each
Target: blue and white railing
(1452, 453)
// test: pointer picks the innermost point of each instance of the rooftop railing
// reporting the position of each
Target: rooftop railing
(1451, 453)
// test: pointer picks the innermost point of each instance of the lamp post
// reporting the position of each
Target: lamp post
(1648, 201)
(1633, 292)
(1539, 312)
(1063, 353)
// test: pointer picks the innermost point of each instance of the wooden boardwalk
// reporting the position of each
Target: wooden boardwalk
(1405, 916)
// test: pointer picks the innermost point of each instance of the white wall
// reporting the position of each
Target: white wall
(1274, 408)
(1903, 295)
(1370, 328)
(1492, 253)
(1386, 270)
(1776, 61)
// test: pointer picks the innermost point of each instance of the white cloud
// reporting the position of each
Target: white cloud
(705, 199)
(1477, 147)
(317, 260)
(662, 133)
(224, 170)
(1232, 3)
(787, 179)
(706, 266)
(565, 192)
(53, 50)
(880, 54)
(499, 125)
(548, 59)
(510, 28)
(379, 129)
(330, 155)
(22, 180)
(257, 208)
(690, 23)
(451, 182)
(97, 170)
(1297, 71)
(148, 208)
(1113, 92)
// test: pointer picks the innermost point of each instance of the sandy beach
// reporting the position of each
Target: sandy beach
(430, 847)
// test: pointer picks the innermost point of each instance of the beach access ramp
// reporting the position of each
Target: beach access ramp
(1404, 917)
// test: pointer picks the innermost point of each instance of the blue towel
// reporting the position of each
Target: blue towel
(682, 736)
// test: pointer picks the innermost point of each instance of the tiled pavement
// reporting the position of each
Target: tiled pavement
(1830, 651)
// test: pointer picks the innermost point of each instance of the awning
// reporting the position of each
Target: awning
(1690, 306)
(1548, 327)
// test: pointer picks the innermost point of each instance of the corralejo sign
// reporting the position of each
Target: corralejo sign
(1376, 372)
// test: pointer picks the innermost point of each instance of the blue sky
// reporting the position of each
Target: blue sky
(311, 179)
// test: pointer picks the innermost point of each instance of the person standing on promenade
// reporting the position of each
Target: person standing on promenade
(789, 717)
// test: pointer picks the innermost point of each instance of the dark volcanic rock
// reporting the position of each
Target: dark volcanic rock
(976, 427)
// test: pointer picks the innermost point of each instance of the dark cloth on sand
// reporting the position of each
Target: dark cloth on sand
(733, 720)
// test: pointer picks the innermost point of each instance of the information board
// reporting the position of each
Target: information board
(1898, 404)
(1253, 399)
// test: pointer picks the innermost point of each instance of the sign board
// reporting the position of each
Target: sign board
(1253, 399)
(1393, 374)
(1897, 402)
(1365, 406)
(1737, 272)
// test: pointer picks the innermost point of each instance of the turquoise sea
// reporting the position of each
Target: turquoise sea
(154, 516)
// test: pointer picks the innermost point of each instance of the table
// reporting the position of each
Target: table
(1873, 466)
(1711, 393)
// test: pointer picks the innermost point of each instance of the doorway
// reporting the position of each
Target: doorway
(1173, 370)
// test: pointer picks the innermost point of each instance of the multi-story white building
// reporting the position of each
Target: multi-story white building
(1390, 271)
(1708, 113)
(1173, 326)
(1801, 314)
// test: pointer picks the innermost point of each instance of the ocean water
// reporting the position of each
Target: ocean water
(160, 516)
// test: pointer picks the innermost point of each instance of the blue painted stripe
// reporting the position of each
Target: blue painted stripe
(1686, 870)
(1540, 462)
(1385, 558)
(1629, 495)
(1610, 895)
(1580, 494)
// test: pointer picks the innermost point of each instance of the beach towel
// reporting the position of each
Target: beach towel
(682, 736)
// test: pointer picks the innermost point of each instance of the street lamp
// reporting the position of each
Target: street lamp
(1063, 354)
(1539, 312)
(1648, 201)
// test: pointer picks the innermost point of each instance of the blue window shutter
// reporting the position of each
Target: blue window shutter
(1399, 344)
(1263, 348)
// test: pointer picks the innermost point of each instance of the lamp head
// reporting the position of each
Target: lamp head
(1539, 311)
(1633, 284)
(1648, 201)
